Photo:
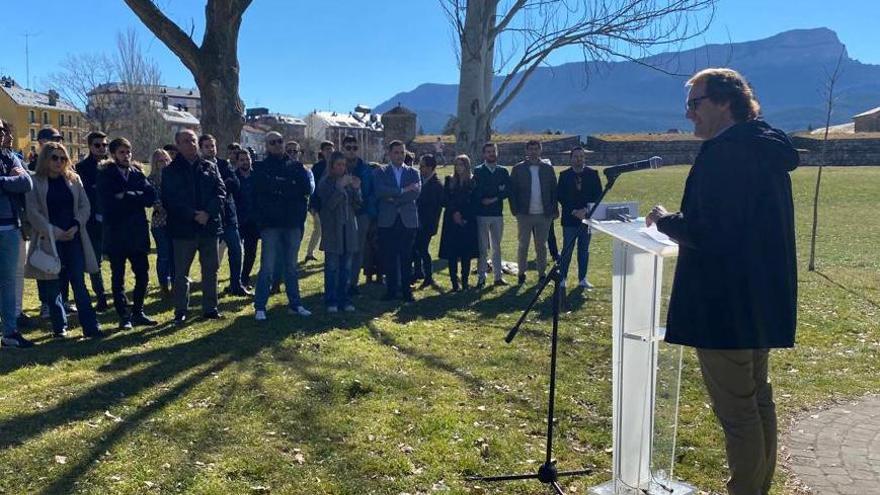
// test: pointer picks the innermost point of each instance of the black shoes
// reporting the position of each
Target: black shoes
(125, 324)
(180, 319)
(521, 279)
(500, 283)
(142, 320)
(408, 297)
(213, 315)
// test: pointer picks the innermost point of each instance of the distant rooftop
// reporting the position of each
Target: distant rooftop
(118, 87)
(34, 99)
(873, 111)
(354, 119)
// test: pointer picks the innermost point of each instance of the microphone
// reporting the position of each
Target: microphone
(616, 170)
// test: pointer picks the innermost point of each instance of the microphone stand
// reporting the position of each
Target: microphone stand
(547, 473)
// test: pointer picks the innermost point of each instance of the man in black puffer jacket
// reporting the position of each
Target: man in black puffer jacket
(281, 188)
(193, 195)
(735, 291)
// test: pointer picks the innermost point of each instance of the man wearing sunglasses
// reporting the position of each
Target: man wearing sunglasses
(367, 212)
(318, 169)
(734, 296)
(282, 187)
(87, 170)
(14, 183)
(44, 136)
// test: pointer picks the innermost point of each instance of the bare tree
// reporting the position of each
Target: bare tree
(77, 76)
(830, 82)
(513, 38)
(136, 113)
(214, 64)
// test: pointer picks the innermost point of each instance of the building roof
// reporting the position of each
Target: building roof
(118, 87)
(873, 111)
(175, 116)
(33, 99)
(350, 120)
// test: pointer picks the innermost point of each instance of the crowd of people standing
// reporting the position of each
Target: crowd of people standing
(62, 220)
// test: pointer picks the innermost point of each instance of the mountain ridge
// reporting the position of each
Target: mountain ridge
(788, 71)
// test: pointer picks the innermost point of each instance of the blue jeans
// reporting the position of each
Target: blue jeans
(233, 247)
(337, 275)
(583, 250)
(9, 240)
(280, 246)
(72, 270)
(164, 256)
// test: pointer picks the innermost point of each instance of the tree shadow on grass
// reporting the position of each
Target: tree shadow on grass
(853, 292)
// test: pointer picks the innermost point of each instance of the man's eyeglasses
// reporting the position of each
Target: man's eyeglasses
(59, 158)
(693, 103)
(351, 148)
(273, 142)
(99, 145)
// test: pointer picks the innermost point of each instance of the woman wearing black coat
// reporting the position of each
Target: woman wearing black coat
(458, 243)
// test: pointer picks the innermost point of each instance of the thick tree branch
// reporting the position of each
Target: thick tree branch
(166, 30)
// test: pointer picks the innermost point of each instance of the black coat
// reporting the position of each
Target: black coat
(575, 191)
(736, 279)
(230, 182)
(318, 170)
(430, 204)
(459, 241)
(124, 203)
(190, 187)
(491, 185)
(244, 198)
(282, 188)
(87, 170)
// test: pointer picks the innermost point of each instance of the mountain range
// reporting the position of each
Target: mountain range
(788, 72)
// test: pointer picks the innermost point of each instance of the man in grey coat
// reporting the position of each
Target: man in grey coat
(397, 186)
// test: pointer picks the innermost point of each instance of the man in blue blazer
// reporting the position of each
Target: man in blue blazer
(397, 186)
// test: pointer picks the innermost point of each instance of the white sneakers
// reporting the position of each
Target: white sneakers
(349, 308)
(260, 316)
(584, 283)
(332, 309)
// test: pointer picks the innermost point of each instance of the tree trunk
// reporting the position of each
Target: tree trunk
(475, 78)
(214, 65)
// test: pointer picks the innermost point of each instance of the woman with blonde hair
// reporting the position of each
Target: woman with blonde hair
(58, 209)
(459, 242)
(164, 250)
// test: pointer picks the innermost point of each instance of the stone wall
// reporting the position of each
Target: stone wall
(612, 152)
(841, 151)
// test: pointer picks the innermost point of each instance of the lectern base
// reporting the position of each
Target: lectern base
(668, 488)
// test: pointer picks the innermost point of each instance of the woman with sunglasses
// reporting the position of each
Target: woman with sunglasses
(58, 209)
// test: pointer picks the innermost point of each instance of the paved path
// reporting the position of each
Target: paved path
(837, 451)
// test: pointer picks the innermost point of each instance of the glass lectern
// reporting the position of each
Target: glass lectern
(646, 371)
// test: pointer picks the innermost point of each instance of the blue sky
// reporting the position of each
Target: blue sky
(301, 55)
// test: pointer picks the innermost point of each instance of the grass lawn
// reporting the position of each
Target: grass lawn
(406, 400)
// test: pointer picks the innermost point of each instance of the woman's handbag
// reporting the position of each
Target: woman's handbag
(46, 262)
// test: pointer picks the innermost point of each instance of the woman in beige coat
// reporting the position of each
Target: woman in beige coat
(57, 209)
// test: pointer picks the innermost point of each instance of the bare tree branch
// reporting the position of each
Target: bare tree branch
(830, 83)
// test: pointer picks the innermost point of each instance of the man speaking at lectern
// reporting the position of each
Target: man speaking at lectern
(734, 296)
